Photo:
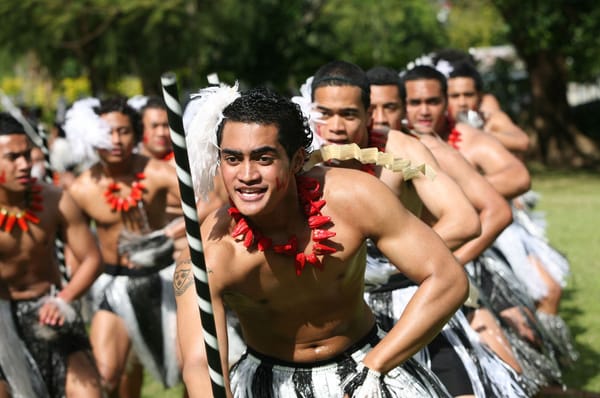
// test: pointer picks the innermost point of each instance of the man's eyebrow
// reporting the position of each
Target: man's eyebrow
(254, 152)
(341, 110)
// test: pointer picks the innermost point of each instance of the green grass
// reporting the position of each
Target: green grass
(571, 202)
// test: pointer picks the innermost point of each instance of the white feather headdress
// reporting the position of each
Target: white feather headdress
(86, 131)
(308, 107)
(201, 118)
(137, 102)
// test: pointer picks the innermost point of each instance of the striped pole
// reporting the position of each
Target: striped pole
(58, 242)
(192, 226)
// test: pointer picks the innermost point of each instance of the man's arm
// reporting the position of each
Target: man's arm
(493, 210)
(509, 134)
(455, 219)
(81, 242)
(507, 174)
(189, 330)
(422, 256)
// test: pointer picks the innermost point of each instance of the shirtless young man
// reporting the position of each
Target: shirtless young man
(301, 306)
(125, 195)
(40, 315)
(424, 95)
(341, 93)
(465, 93)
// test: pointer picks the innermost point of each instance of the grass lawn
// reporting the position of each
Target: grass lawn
(571, 202)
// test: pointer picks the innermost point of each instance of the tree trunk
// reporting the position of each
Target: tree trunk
(559, 140)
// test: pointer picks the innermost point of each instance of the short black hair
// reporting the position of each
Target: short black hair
(342, 73)
(265, 107)
(383, 76)
(466, 69)
(423, 72)
(119, 104)
(452, 56)
(9, 125)
(153, 102)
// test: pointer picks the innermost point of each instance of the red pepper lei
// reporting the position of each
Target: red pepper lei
(308, 191)
(168, 156)
(454, 138)
(33, 202)
(118, 203)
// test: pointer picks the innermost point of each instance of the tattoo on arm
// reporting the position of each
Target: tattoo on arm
(182, 280)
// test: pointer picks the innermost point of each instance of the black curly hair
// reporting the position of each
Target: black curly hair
(264, 106)
(119, 104)
(9, 125)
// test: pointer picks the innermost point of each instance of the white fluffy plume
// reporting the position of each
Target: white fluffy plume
(86, 131)
(137, 102)
(304, 100)
(201, 118)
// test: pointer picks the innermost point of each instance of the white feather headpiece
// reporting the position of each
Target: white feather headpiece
(442, 65)
(308, 107)
(86, 131)
(201, 118)
(137, 102)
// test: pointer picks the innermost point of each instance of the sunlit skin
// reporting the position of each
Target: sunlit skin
(425, 106)
(27, 269)
(157, 142)
(254, 167)
(15, 162)
(317, 315)
(462, 95)
(386, 107)
(345, 119)
(122, 138)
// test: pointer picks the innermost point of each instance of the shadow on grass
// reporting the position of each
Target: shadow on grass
(587, 366)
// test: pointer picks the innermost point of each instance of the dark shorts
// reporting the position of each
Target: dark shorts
(448, 367)
(50, 355)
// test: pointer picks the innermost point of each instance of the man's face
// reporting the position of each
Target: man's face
(462, 95)
(344, 115)
(386, 107)
(425, 105)
(156, 132)
(15, 162)
(122, 138)
(255, 168)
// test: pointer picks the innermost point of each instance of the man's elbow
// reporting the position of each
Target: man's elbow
(524, 181)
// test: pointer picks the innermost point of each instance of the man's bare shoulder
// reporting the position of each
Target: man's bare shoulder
(84, 181)
(405, 146)
(348, 191)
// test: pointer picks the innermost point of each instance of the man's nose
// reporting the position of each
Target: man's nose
(378, 115)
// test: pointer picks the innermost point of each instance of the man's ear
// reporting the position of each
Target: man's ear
(298, 160)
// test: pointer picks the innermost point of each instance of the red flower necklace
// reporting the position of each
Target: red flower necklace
(170, 155)
(309, 194)
(33, 203)
(118, 203)
(454, 138)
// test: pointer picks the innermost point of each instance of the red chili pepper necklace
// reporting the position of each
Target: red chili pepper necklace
(33, 203)
(118, 203)
(309, 193)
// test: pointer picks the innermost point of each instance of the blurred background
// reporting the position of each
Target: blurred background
(540, 58)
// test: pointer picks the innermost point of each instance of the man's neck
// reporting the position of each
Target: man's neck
(11, 198)
(124, 168)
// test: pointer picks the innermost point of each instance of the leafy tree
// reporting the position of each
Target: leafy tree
(558, 42)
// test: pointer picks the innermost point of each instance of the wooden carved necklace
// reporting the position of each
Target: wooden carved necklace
(33, 203)
(309, 194)
(118, 203)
